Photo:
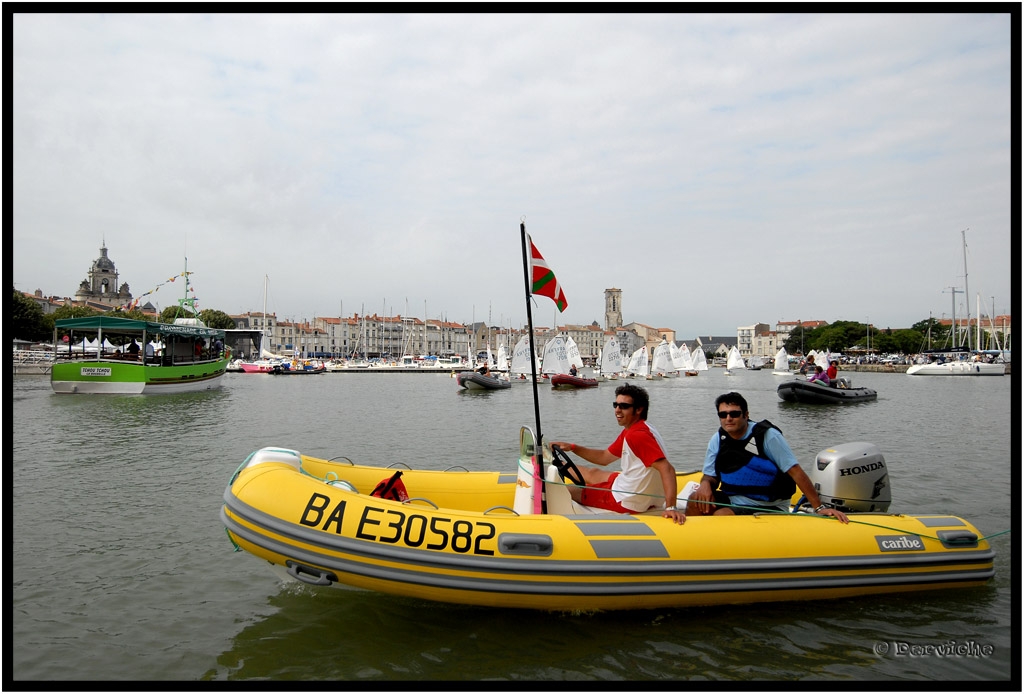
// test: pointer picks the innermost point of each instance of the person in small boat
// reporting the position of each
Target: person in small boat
(820, 376)
(484, 370)
(646, 474)
(807, 365)
(833, 372)
(572, 370)
(749, 468)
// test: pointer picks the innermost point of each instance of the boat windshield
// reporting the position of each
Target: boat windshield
(526, 442)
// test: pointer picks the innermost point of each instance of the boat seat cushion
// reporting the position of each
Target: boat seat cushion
(560, 502)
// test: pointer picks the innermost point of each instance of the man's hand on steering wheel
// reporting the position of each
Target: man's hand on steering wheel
(567, 469)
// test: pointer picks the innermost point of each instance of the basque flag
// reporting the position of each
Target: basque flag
(543, 281)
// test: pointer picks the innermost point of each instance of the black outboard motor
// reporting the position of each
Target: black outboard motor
(852, 477)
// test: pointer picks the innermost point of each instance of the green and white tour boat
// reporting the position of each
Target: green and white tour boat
(113, 355)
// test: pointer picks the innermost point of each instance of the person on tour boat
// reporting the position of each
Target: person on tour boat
(741, 479)
(646, 474)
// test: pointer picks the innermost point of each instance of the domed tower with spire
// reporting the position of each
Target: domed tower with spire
(101, 284)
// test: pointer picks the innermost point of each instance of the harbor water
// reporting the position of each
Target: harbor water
(122, 571)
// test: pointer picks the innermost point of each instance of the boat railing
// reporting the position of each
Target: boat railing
(157, 360)
(32, 356)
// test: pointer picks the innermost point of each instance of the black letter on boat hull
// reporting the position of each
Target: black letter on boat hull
(319, 509)
(337, 515)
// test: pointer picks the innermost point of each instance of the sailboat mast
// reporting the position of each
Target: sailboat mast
(967, 293)
(977, 322)
(956, 331)
(992, 325)
(266, 278)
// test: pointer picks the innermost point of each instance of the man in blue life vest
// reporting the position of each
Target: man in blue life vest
(749, 468)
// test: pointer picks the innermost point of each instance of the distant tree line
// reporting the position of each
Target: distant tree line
(847, 336)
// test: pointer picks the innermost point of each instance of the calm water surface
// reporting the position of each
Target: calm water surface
(122, 571)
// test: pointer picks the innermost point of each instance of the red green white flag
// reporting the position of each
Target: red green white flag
(543, 280)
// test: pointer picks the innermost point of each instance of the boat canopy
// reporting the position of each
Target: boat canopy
(114, 324)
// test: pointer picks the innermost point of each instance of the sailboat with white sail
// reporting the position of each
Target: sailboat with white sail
(520, 367)
(573, 352)
(572, 376)
(661, 363)
(501, 363)
(610, 363)
(781, 363)
(556, 357)
(700, 361)
(638, 364)
(683, 360)
(734, 362)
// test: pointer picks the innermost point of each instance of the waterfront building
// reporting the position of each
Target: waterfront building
(745, 338)
(765, 344)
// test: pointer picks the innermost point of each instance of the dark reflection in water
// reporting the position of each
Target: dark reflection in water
(348, 635)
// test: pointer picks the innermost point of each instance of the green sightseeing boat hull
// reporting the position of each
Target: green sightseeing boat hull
(183, 363)
(111, 377)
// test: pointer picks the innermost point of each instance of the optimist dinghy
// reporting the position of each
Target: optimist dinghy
(505, 539)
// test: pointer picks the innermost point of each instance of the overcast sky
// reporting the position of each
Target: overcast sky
(721, 170)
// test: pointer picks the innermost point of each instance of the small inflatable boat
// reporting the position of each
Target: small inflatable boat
(517, 539)
(474, 380)
(567, 381)
(815, 393)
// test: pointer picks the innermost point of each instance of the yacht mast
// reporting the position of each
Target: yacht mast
(967, 293)
(977, 323)
(266, 278)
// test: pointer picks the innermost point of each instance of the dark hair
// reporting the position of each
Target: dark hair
(733, 398)
(640, 400)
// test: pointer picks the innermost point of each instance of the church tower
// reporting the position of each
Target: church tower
(101, 284)
(612, 309)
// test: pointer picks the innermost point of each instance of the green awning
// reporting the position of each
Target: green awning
(114, 324)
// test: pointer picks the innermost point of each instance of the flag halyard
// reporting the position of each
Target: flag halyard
(542, 279)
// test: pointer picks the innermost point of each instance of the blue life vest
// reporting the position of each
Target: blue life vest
(744, 468)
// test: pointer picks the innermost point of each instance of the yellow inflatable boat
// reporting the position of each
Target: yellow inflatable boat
(494, 539)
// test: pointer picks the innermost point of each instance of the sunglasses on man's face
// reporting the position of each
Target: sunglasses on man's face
(622, 405)
(732, 414)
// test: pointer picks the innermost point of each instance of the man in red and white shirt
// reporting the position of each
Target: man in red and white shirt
(647, 479)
